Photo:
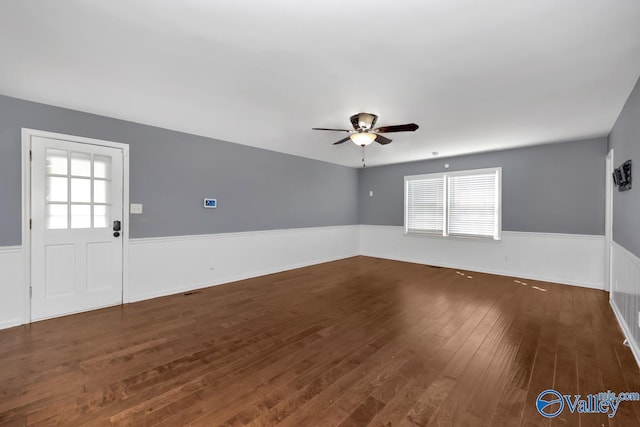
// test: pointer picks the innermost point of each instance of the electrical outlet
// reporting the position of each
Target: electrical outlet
(212, 265)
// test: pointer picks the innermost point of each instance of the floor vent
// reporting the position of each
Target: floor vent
(186, 294)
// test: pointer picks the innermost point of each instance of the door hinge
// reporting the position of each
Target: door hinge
(30, 223)
(30, 292)
(30, 155)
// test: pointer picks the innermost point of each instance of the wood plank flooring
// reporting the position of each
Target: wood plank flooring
(356, 342)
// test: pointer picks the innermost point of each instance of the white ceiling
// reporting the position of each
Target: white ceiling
(475, 75)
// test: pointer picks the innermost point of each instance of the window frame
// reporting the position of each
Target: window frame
(445, 226)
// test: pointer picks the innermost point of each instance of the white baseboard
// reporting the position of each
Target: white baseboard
(10, 323)
(12, 285)
(625, 294)
(164, 266)
(626, 331)
(559, 258)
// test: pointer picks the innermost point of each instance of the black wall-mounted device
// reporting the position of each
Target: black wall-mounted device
(622, 176)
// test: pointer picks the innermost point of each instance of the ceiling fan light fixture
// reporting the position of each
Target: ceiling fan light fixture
(363, 138)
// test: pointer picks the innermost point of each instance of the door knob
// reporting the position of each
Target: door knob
(117, 226)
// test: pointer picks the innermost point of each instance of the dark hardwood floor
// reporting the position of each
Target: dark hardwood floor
(356, 342)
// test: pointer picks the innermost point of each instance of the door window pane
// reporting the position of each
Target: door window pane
(102, 167)
(80, 164)
(101, 191)
(80, 216)
(56, 217)
(56, 162)
(80, 190)
(56, 189)
(101, 216)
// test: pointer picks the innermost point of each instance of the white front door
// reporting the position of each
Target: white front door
(76, 206)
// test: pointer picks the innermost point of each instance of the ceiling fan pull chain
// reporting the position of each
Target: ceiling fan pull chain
(363, 164)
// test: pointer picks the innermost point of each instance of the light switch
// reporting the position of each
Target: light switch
(370, 193)
(136, 208)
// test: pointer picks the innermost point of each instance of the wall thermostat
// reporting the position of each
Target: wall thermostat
(210, 203)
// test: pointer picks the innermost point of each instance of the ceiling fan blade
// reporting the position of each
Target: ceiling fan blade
(409, 127)
(382, 140)
(341, 141)
(337, 130)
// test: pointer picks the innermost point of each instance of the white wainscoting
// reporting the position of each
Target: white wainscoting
(560, 258)
(12, 286)
(169, 265)
(625, 294)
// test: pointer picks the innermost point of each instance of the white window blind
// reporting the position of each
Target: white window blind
(465, 203)
(473, 205)
(425, 205)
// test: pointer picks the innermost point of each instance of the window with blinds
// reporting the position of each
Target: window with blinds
(465, 203)
(425, 205)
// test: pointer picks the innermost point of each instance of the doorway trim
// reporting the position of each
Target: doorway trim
(26, 208)
(608, 223)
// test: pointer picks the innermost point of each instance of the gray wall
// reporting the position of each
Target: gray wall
(171, 172)
(625, 141)
(553, 188)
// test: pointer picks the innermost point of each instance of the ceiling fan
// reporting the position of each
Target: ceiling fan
(364, 133)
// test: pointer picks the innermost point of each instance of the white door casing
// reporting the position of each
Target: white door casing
(77, 191)
(608, 222)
